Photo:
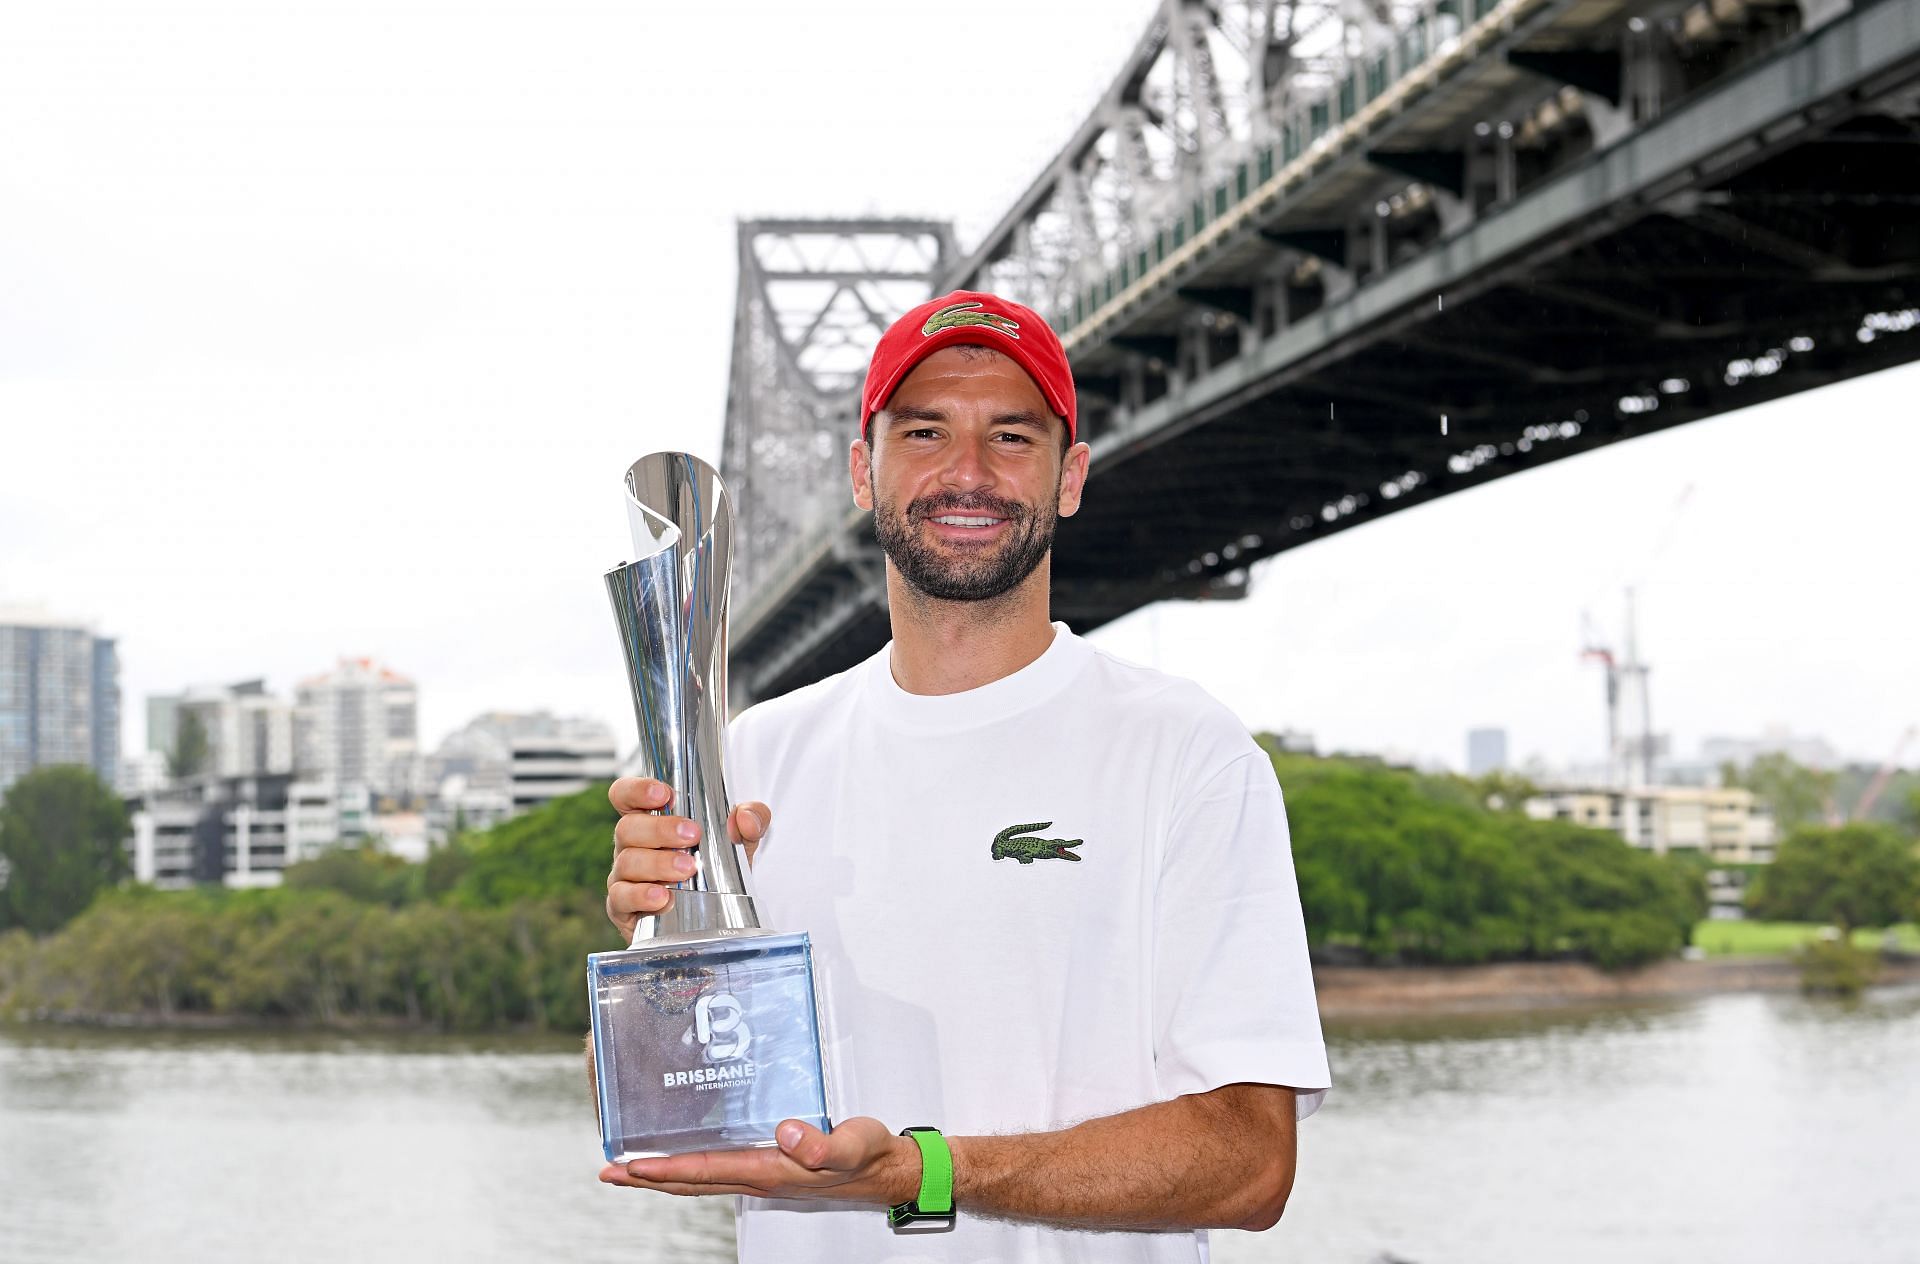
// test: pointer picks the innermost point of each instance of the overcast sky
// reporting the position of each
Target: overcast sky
(328, 329)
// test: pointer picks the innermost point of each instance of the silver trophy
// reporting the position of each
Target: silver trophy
(706, 1030)
(671, 605)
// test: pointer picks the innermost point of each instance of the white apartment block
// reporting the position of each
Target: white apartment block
(164, 844)
(141, 773)
(359, 724)
(458, 805)
(1724, 824)
(324, 815)
(239, 831)
(249, 731)
(503, 763)
(546, 768)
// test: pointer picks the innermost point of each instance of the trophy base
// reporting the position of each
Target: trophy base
(699, 914)
(705, 1043)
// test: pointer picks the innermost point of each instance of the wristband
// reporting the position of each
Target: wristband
(933, 1207)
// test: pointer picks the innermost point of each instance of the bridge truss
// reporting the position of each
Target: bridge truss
(1315, 264)
(813, 297)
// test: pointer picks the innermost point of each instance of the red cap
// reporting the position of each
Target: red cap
(985, 320)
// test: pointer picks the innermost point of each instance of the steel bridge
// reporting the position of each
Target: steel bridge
(1315, 262)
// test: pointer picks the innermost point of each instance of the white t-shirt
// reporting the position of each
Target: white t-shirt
(969, 990)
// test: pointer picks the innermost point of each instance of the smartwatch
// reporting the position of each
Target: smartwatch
(931, 1209)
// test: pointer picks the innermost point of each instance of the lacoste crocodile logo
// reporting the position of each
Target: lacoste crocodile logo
(961, 314)
(1006, 846)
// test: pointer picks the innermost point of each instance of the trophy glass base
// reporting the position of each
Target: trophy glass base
(705, 1044)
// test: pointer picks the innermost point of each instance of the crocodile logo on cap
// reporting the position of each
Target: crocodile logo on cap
(961, 315)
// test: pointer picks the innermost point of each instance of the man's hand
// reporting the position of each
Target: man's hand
(650, 851)
(860, 1161)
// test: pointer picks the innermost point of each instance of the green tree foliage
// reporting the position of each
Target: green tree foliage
(313, 956)
(445, 866)
(1835, 967)
(1863, 874)
(63, 834)
(561, 850)
(1416, 868)
(1798, 795)
(1504, 791)
(493, 931)
(191, 751)
(361, 873)
(1909, 811)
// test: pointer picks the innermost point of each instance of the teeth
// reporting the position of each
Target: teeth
(958, 520)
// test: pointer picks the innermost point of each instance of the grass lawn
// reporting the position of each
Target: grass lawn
(1772, 939)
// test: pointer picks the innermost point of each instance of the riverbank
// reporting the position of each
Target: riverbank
(1344, 992)
(1367, 991)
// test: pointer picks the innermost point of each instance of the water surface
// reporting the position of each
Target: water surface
(1740, 1128)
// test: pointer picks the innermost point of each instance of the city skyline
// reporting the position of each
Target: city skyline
(363, 396)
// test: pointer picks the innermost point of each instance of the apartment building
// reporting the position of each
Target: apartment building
(59, 696)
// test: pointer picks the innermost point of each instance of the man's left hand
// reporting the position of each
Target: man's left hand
(861, 1161)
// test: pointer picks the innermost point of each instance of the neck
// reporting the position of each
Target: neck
(950, 646)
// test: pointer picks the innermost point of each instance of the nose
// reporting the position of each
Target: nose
(967, 468)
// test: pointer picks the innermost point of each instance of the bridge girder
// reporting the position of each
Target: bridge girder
(1315, 339)
(813, 296)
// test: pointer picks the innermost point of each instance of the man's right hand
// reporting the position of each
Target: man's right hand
(650, 850)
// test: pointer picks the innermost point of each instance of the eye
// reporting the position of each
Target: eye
(1014, 436)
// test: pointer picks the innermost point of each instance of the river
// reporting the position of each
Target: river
(1741, 1128)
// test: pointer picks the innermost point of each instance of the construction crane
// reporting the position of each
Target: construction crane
(1631, 743)
(1871, 794)
(1599, 653)
(1631, 751)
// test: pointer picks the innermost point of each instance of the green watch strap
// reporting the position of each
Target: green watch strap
(935, 1200)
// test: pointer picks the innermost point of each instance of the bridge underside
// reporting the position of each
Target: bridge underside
(1761, 239)
(1755, 284)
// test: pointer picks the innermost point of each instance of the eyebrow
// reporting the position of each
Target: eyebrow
(911, 413)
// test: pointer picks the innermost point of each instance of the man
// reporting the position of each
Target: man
(1051, 894)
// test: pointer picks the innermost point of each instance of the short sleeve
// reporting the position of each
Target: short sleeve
(1233, 990)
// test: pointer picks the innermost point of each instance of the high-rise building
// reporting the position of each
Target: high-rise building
(248, 730)
(358, 725)
(59, 696)
(504, 763)
(1486, 751)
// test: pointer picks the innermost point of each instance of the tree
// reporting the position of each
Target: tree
(1850, 876)
(63, 835)
(559, 849)
(1798, 795)
(1413, 868)
(444, 867)
(191, 750)
(362, 873)
(1503, 790)
(1910, 812)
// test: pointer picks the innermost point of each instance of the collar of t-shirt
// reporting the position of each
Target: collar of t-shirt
(1030, 687)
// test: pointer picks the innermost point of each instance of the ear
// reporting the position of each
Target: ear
(860, 470)
(1073, 479)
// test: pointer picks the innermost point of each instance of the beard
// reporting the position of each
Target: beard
(967, 574)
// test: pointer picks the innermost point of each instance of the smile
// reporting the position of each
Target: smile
(967, 520)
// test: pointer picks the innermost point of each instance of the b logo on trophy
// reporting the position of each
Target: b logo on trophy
(677, 1069)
